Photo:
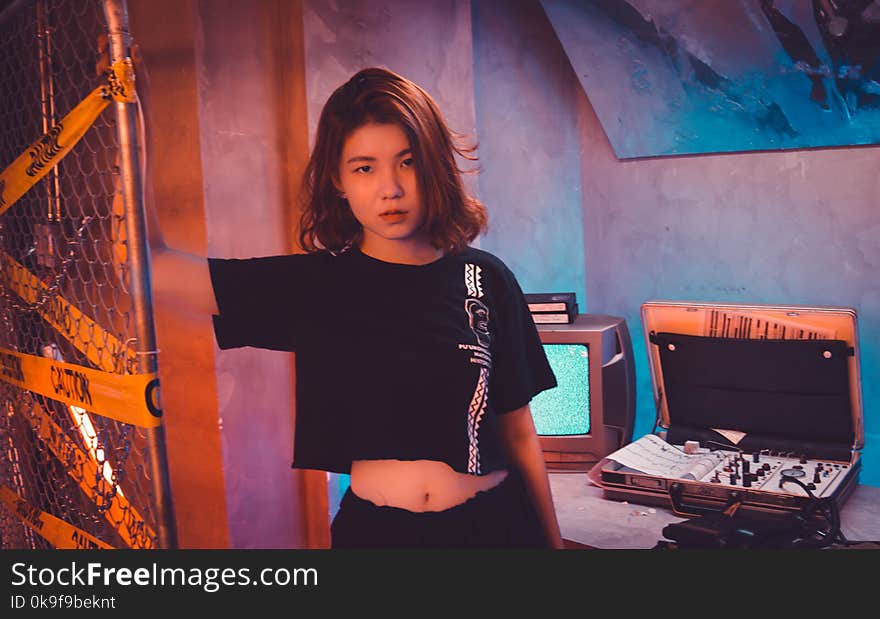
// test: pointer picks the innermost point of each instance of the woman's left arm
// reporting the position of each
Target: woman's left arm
(520, 442)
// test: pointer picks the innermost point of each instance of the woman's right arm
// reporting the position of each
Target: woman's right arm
(179, 279)
(182, 280)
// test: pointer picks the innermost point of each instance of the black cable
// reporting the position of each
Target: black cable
(829, 511)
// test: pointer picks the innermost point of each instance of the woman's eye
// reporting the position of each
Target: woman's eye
(407, 162)
(364, 169)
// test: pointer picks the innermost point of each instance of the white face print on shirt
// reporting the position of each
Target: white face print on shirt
(478, 318)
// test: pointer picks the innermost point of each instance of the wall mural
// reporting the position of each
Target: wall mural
(674, 77)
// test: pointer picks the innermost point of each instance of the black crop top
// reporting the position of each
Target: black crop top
(393, 361)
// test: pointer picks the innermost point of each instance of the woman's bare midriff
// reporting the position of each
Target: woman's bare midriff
(417, 485)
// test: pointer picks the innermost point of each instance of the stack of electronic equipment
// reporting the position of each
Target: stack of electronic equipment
(761, 414)
(552, 307)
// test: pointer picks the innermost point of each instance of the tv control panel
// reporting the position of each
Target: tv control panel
(769, 471)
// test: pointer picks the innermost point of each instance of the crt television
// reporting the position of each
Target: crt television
(591, 411)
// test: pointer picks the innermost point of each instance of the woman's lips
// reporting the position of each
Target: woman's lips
(393, 216)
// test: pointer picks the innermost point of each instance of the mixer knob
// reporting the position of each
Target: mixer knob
(745, 467)
(817, 477)
(747, 481)
(760, 472)
(766, 466)
(756, 457)
(803, 459)
(733, 478)
(811, 486)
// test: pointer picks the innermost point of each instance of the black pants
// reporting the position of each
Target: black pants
(501, 517)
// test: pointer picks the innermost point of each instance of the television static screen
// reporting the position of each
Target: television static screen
(565, 410)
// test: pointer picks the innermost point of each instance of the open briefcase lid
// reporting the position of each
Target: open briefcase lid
(777, 368)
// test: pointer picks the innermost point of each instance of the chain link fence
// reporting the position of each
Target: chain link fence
(65, 294)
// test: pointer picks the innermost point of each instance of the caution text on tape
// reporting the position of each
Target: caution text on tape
(130, 398)
(57, 532)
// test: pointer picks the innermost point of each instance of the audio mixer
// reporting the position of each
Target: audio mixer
(768, 471)
(650, 468)
(733, 385)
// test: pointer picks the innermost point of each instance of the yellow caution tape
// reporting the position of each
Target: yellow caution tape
(120, 81)
(51, 147)
(33, 164)
(129, 398)
(57, 532)
(84, 469)
(100, 347)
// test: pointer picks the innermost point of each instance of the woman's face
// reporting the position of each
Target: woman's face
(377, 176)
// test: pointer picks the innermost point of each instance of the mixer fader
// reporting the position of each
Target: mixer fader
(769, 471)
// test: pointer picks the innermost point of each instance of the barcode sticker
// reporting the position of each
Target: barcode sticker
(749, 326)
(547, 307)
(550, 318)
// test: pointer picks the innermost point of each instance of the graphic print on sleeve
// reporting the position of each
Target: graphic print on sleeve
(478, 319)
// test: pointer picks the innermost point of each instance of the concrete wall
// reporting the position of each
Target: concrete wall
(244, 166)
(427, 42)
(526, 98)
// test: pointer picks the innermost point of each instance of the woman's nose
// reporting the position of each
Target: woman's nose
(391, 186)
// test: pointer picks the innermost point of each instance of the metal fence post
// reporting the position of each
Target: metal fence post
(139, 261)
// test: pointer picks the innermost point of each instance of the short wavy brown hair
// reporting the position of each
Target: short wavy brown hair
(376, 95)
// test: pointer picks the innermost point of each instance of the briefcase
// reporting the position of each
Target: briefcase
(758, 406)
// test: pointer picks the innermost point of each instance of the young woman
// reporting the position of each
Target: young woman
(416, 354)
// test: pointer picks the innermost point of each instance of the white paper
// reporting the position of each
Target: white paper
(734, 436)
(653, 456)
